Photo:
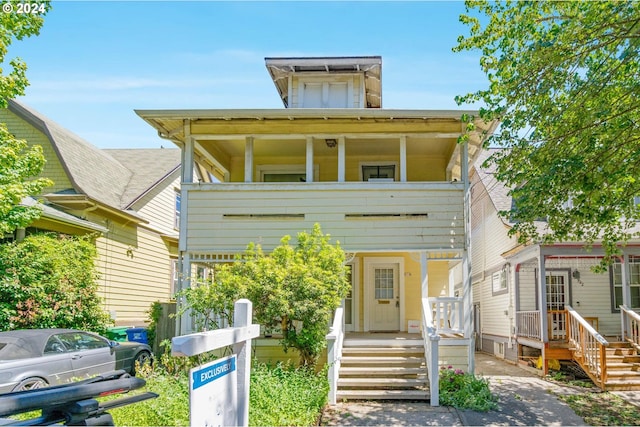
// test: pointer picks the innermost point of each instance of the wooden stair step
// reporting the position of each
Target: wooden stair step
(383, 394)
(380, 371)
(383, 350)
(382, 343)
(382, 360)
(382, 382)
(622, 385)
(623, 374)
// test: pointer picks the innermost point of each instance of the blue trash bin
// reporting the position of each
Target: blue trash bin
(137, 335)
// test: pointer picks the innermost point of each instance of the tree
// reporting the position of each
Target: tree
(49, 281)
(564, 80)
(19, 165)
(295, 287)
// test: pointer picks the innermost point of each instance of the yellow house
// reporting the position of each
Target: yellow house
(127, 196)
(390, 185)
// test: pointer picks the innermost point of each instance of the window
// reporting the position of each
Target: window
(634, 282)
(176, 212)
(173, 286)
(383, 283)
(499, 282)
(284, 173)
(378, 172)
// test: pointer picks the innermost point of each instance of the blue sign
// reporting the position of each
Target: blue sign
(213, 372)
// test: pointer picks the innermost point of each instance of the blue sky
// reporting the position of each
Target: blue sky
(94, 62)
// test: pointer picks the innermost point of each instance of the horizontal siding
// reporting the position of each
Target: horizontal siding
(210, 230)
(158, 206)
(456, 356)
(134, 269)
(23, 130)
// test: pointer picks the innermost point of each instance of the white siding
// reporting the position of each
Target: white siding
(362, 216)
(158, 205)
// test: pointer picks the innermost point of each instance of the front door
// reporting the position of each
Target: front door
(557, 297)
(384, 297)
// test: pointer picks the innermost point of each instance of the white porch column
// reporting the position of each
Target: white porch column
(309, 159)
(248, 159)
(625, 275)
(341, 159)
(183, 323)
(467, 296)
(403, 158)
(424, 275)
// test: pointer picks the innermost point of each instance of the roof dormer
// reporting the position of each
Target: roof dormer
(330, 82)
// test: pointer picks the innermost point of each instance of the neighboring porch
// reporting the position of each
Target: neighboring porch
(612, 362)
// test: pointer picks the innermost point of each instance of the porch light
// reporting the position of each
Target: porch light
(331, 143)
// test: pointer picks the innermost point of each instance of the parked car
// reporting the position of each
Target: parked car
(34, 358)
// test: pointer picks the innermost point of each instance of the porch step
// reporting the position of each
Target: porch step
(381, 371)
(382, 368)
(370, 383)
(382, 360)
(384, 395)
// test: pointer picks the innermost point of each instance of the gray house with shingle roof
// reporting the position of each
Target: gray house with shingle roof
(127, 196)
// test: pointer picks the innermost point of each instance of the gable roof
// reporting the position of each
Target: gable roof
(112, 177)
(497, 191)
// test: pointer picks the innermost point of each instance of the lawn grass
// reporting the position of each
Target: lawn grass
(603, 409)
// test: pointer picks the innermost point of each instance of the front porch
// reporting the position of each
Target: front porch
(400, 365)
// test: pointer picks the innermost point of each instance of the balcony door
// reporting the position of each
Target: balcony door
(557, 297)
(383, 299)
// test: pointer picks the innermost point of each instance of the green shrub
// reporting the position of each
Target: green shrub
(465, 391)
(49, 281)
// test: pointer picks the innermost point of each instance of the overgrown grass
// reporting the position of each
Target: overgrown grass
(603, 409)
(286, 396)
(465, 391)
(280, 395)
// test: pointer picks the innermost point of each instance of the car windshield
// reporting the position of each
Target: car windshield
(17, 348)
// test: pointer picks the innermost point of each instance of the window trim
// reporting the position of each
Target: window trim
(261, 170)
(378, 163)
(631, 259)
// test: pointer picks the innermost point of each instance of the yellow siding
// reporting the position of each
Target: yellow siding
(419, 168)
(158, 205)
(53, 168)
(134, 268)
(456, 356)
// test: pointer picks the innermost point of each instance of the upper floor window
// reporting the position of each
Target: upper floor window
(284, 173)
(316, 93)
(634, 282)
(378, 172)
(176, 211)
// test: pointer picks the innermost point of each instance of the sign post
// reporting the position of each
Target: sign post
(219, 390)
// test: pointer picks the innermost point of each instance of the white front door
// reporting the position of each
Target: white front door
(384, 297)
(557, 297)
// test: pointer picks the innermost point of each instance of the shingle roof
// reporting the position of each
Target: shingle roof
(112, 177)
(498, 193)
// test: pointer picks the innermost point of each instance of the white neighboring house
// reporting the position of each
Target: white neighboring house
(520, 317)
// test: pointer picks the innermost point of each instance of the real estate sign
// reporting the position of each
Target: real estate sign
(213, 393)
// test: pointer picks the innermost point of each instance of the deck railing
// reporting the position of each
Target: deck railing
(335, 338)
(588, 345)
(557, 325)
(528, 324)
(431, 342)
(630, 326)
(448, 315)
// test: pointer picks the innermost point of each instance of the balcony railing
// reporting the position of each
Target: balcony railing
(223, 218)
(448, 315)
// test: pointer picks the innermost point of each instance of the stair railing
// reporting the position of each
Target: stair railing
(335, 338)
(630, 326)
(448, 315)
(590, 348)
(431, 339)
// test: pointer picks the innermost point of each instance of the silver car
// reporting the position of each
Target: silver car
(34, 358)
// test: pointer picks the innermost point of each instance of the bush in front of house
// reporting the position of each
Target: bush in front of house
(49, 281)
(465, 391)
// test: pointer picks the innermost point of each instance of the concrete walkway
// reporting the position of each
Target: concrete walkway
(524, 399)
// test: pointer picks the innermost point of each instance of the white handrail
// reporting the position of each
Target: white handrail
(587, 326)
(448, 314)
(335, 338)
(431, 339)
(630, 325)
